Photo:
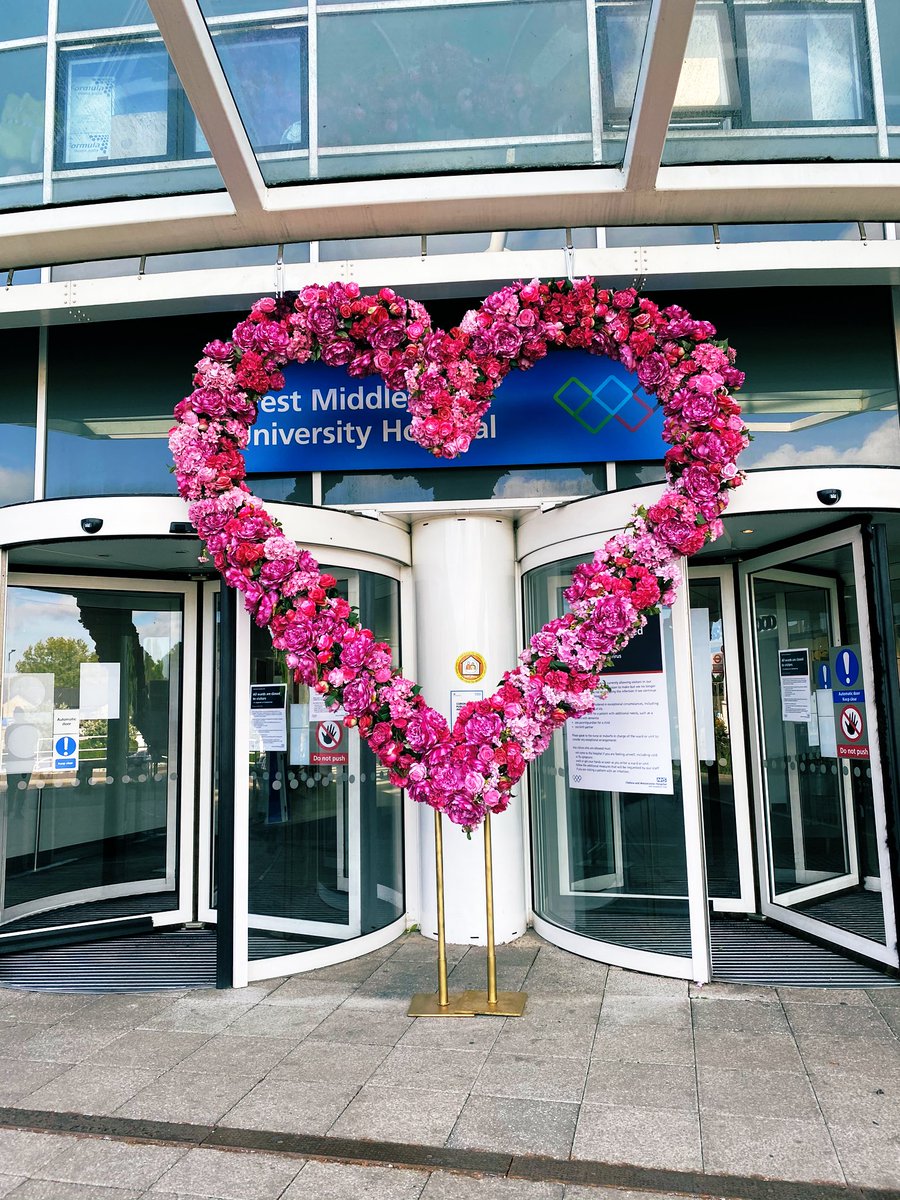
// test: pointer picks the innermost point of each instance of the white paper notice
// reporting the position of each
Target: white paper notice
(796, 697)
(99, 691)
(299, 740)
(459, 698)
(624, 745)
(319, 710)
(268, 723)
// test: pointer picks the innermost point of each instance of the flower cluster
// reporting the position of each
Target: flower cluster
(450, 378)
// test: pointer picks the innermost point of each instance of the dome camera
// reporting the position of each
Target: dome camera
(829, 495)
(92, 524)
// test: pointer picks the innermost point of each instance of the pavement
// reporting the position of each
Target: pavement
(613, 1086)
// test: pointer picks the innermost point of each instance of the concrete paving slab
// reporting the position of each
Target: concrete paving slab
(869, 1155)
(372, 1028)
(183, 1096)
(531, 1077)
(294, 1106)
(733, 991)
(429, 1068)
(563, 1040)
(327, 1061)
(641, 1085)
(647, 1137)
(228, 1175)
(19, 1077)
(632, 983)
(40, 1008)
(849, 1098)
(122, 1011)
(199, 1016)
(234, 1055)
(22, 1152)
(53, 1189)
(647, 1044)
(88, 1088)
(864, 1054)
(856, 997)
(757, 1092)
(281, 1021)
(746, 1050)
(8, 1183)
(837, 1020)
(516, 1126)
(444, 1186)
(340, 1181)
(400, 1115)
(106, 1163)
(66, 1043)
(775, 1149)
(476, 1034)
(739, 1016)
(674, 1012)
(888, 997)
(148, 1049)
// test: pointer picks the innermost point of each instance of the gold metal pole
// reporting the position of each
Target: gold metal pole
(425, 1004)
(492, 1002)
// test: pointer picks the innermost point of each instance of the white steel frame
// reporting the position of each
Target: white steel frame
(746, 902)
(641, 192)
(800, 920)
(180, 792)
(699, 965)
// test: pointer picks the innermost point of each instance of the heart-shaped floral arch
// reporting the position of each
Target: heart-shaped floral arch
(450, 378)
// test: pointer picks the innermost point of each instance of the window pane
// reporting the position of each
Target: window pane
(458, 74)
(622, 29)
(607, 865)
(21, 113)
(23, 20)
(832, 405)
(462, 483)
(108, 422)
(115, 105)
(803, 67)
(889, 42)
(75, 15)
(267, 76)
(18, 406)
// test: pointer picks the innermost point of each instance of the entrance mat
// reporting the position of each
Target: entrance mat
(432, 1158)
(153, 962)
(757, 952)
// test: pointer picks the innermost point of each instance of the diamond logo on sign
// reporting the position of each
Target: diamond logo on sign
(610, 399)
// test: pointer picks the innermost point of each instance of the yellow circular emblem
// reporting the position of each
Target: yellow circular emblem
(471, 667)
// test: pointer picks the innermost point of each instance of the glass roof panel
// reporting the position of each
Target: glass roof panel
(765, 81)
(76, 16)
(446, 87)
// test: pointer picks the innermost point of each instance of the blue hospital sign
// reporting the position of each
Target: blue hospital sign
(571, 407)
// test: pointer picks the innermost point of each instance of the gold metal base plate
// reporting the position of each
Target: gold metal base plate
(509, 1004)
(426, 1004)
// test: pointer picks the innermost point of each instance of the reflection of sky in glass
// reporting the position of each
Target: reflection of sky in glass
(869, 438)
(82, 466)
(16, 464)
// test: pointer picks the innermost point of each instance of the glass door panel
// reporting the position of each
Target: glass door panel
(91, 713)
(824, 865)
(809, 810)
(325, 842)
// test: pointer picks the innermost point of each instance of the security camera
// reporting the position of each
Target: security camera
(829, 495)
(92, 524)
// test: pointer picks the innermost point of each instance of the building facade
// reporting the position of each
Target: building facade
(164, 164)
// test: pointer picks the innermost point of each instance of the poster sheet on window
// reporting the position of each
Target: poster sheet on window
(268, 716)
(89, 115)
(625, 744)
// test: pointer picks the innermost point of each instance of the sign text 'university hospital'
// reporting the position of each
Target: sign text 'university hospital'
(571, 407)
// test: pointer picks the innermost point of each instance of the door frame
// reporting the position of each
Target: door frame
(180, 840)
(800, 920)
(731, 644)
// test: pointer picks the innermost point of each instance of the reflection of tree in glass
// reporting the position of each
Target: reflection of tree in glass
(60, 657)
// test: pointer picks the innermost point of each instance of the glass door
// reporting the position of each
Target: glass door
(821, 826)
(91, 770)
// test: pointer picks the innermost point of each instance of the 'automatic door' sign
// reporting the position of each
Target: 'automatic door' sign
(572, 407)
(850, 721)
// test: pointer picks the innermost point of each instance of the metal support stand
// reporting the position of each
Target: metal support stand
(426, 1004)
(492, 1002)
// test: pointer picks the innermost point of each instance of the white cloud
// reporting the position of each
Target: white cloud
(15, 486)
(881, 448)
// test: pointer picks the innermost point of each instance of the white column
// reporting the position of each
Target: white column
(464, 574)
